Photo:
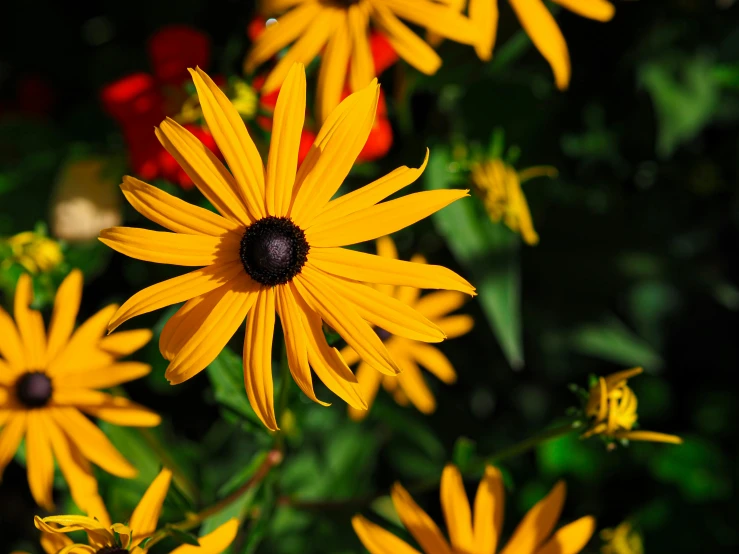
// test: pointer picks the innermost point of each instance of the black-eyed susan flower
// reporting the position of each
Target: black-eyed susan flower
(623, 539)
(612, 409)
(49, 381)
(499, 186)
(477, 530)
(410, 385)
(276, 247)
(118, 538)
(34, 251)
(541, 27)
(342, 26)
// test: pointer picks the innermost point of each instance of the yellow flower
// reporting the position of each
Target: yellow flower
(122, 539)
(478, 531)
(622, 540)
(48, 381)
(85, 201)
(276, 247)
(410, 384)
(612, 409)
(499, 186)
(342, 26)
(36, 253)
(541, 27)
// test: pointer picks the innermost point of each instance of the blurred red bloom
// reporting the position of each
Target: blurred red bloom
(141, 101)
(33, 96)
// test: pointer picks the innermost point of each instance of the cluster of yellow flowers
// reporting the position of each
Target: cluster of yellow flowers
(277, 248)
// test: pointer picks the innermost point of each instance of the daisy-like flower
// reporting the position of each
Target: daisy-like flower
(541, 27)
(623, 539)
(499, 186)
(478, 531)
(47, 383)
(342, 26)
(612, 409)
(410, 385)
(118, 538)
(276, 247)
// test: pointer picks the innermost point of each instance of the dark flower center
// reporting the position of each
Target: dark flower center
(343, 3)
(112, 550)
(273, 250)
(384, 335)
(33, 389)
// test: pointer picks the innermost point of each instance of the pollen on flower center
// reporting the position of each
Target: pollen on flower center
(112, 550)
(273, 250)
(33, 389)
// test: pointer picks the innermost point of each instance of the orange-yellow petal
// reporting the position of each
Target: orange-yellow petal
(418, 523)
(378, 541)
(456, 508)
(538, 523)
(146, 515)
(64, 317)
(260, 326)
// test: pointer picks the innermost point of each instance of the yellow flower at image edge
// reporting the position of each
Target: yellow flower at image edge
(499, 186)
(409, 385)
(36, 253)
(276, 247)
(477, 531)
(118, 538)
(612, 409)
(541, 27)
(342, 26)
(48, 381)
(624, 539)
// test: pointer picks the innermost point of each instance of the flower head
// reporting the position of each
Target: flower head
(478, 530)
(342, 26)
(541, 27)
(624, 539)
(612, 409)
(275, 248)
(499, 186)
(35, 252)
(48, 381)
(106, 538)
(410, 385)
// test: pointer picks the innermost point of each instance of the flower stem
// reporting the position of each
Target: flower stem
(531, 442)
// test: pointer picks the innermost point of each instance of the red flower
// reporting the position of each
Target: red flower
(140, 101)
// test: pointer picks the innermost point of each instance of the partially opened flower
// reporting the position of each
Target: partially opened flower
(342, 27)
(410, 385)
(499, 186)
(276, 247)
(118, 538)
(612, 409)
(478, 530)
(541, 27)
(35, 252)
(49, 381)
(623, 539)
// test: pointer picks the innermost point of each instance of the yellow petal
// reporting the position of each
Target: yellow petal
(231, 304)
(456, 325)
(215, 542)
(96, 532)
(207, 172)
(146, 515)
(332, 74)
(39, 459)
(413, 385)
(117, 410)
(273, 7)
(176, 290)
(30, 324)
(381, 219)
(104, 378)
(285, 142)
(234, 142)
(614, 378)
(369, 384)
(10, 347)
(53, 543)
(369, 268)
(378, 541)
(362, 68)
(544, 32)
(484, 14)
(93, 443)
(571, 538)
(650, 436)
(405, 42)
(437, 18)
(434, 360)
(488, 511)
(260, 326)
(10, 437)
(456, 507)
(285, 30)
(440, 303)
(333, 153)
(172, 248)
(126, 342)
(183, 324)
(64, 317)
(538, 523)
(173, 213)
(418, 523)
(295, 342)
(600, 10)
(346, 321)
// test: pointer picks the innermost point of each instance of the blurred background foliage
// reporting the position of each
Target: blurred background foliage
(636, 265)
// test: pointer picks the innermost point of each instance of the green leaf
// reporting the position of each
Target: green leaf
(463, 453)
(243, 475)
(489, 254)
(226, 374)
(182, 537)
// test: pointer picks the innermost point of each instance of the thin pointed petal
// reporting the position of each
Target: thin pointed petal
(571, 538)
(538, 523)
(418, 523)
(260, 326)
(488, 511)
(456, 507)
(146, 515)
(377, 540)
(64, 317)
